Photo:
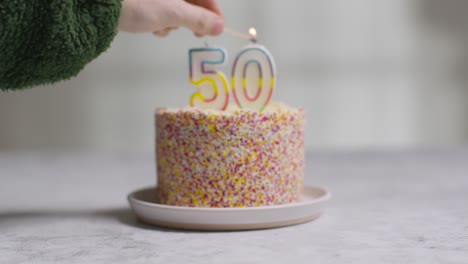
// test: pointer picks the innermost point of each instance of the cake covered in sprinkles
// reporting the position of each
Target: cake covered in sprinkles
(232, 158)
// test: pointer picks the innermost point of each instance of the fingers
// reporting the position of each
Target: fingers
(200, 20)
(211, 5)
(164, 32)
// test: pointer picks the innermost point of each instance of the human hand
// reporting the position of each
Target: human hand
(202, 17)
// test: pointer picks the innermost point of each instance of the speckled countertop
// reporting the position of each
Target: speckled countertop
(399, 207)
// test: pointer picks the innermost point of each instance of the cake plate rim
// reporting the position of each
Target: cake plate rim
(144, 205)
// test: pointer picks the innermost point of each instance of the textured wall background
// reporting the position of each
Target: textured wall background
(371, 74)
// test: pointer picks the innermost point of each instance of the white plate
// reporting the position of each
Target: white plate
(143, 203)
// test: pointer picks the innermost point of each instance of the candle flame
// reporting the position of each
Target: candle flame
(253, 32)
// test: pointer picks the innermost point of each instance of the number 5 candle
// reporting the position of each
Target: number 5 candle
(253, 76)
(212, 86)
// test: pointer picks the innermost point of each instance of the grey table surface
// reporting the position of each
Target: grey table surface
(387, 207)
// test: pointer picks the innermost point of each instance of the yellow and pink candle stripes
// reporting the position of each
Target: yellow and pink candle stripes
(212, 85)
(253, 72)
(252, 79)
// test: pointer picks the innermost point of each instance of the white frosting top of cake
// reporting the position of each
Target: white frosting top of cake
(272, 107)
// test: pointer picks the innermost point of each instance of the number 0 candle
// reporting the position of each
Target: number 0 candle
(253, 76)
(212, 85)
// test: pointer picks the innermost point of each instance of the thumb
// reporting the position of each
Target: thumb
(200, 20)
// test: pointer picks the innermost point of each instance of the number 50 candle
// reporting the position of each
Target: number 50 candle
(253, 76)
(213, 88)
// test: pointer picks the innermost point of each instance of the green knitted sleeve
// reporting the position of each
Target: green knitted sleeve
(44, 41)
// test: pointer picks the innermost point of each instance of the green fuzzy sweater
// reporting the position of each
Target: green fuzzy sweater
(44, 41)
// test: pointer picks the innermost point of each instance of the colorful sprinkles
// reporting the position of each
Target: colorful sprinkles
(230, 158)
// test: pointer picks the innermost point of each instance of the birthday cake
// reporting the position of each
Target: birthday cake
(214, 154)
(230, 158)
